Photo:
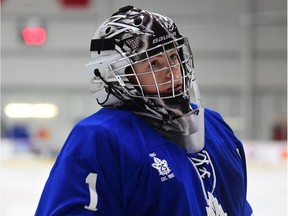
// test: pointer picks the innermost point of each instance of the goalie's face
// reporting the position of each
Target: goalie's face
(159, 75)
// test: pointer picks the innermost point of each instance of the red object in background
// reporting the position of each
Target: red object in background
(75, 3)
(43, 134)
(34, 36)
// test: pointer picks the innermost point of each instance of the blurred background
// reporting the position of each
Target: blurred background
(240, 54)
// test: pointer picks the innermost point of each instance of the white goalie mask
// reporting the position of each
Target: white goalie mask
(133, 38)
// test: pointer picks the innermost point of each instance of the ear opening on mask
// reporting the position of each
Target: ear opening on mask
(102, 44)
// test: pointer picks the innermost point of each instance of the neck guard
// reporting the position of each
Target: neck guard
(174, 119)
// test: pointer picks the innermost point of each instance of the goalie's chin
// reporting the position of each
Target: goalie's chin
(177, 89)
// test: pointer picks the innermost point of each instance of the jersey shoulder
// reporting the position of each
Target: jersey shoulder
(111, 131)
(215, 124)
(107, 117)
(217, 131)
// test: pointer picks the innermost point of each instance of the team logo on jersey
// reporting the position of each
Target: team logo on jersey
(162, 167)
(214, 208)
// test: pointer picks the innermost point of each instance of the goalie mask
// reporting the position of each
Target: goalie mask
(139, 61)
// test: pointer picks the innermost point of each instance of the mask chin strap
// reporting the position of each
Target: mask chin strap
(111, 89)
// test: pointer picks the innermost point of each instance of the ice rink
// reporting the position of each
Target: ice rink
(23, 177)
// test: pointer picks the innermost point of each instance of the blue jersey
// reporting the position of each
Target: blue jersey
(114, 163)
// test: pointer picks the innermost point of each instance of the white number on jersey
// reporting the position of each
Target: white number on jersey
(91, 180)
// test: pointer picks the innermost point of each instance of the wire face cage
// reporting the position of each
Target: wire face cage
(164, 71)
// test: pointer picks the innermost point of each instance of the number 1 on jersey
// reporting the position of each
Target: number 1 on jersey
(91, 180)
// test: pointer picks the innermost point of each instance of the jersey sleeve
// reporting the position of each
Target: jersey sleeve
(78, 183)
(77, 187)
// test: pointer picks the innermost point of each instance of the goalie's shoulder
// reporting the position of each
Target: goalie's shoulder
(106, 118)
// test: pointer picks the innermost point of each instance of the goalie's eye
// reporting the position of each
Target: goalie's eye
(173, 57)
(155, 64)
